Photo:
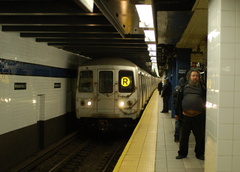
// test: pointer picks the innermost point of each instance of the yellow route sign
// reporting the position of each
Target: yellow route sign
(125, 81)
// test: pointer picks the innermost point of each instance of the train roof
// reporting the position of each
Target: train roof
(112, 62)
(109, 61)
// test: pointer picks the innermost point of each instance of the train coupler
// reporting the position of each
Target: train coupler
(103, 125)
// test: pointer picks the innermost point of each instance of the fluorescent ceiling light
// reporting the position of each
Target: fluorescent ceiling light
(145, 15)
(87, 5)
(146, 25)
(146, 21)
(153, 58)
(149, 36)
(152, 53)
(152, 47)
(154, 64)
(154, 61)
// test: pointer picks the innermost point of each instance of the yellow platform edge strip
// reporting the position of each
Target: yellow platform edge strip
(119, 163)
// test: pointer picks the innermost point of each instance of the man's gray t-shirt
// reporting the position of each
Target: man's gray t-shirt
(192, 99)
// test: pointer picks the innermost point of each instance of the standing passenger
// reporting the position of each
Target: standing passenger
(178, 115)
(166, 94)
(192, 103)
(160, 87)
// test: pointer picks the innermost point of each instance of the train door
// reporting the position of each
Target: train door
(141, 90)
(106, 91)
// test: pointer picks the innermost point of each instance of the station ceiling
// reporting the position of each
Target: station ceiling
(111, 30)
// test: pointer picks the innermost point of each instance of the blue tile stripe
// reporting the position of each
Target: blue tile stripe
(10, 67)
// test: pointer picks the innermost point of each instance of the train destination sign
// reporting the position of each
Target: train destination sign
(125, 81)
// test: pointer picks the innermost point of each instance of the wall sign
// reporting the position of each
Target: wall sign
(20, 86)
(57, 85)
(182, 73)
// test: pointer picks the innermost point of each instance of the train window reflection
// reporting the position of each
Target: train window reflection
(126, 81)
(105, 81)
(86, 81)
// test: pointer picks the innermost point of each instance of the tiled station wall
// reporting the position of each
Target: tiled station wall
(37, 87)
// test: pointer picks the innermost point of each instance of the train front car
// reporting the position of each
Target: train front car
(108, 93)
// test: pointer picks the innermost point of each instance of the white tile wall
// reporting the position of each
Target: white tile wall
(236, 116)
(236, 148)
(229, 18)
(226, 115)
(224, 163)
(222, 144)
(13, 47)
(226, 99)
(235, 163)
(223, 119)
(228, 4)
(225, 131)
(236, 133)
(227, 66)
(228, 34)
(224, 83)
(20, 108)
(237, 68)
(228, 50)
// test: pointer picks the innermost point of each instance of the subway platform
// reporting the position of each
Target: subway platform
(151, 147)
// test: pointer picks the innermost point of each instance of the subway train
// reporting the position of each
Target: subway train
(112, 91)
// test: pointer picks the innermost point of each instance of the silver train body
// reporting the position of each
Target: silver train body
(112, 89)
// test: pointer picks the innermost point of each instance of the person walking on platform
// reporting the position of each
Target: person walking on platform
(160, 87)
(166, 94)
(178, 116)
(191, 103)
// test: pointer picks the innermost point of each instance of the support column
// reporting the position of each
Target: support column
(223, 87)
(179, 67)
(183, 62)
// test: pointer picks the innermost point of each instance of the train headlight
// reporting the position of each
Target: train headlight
(121, 104)
(89, 103)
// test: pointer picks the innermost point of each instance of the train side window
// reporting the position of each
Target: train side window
(126, 81)
(105, 81)
(86, 81)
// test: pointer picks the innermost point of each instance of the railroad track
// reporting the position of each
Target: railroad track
(93, 153)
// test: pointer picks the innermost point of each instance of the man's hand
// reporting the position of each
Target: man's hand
(176, 117)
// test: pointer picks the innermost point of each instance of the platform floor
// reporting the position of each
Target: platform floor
(152, 147)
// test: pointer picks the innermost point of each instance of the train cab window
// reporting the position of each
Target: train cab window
(105, 81)
(126, 81)
(86, 81)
